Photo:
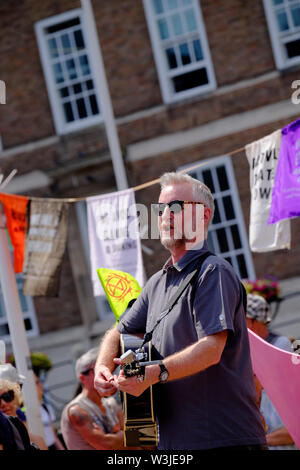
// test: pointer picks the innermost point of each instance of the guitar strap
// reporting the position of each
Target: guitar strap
(170, 304)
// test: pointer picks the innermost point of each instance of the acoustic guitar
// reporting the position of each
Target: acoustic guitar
(140, 428)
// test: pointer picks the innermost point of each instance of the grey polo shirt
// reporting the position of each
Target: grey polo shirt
(215, 407)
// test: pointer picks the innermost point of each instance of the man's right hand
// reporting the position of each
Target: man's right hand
(105, 382)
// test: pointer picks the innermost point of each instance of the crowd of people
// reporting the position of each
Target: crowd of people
(196, 312)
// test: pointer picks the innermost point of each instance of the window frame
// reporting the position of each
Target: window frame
(160, 60)
(277, 40)
(225, 160)
(61, 126)
(28, 314)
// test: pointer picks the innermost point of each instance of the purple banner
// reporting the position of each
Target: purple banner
(286, 191)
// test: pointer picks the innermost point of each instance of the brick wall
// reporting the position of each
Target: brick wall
(26, 116)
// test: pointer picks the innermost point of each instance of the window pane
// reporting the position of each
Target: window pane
(293, 48)
(81, 108)
(79, 39)
(85, 68)
(186, 2)
(217, 218)
(277, 2)
(68, 112)
(89, 84)
(296, 15)
(24, 305)
(185, 54)
(158, 6)
(64, 92)
(70, 65)
(66, 45)
(222, 239)
(210, 242)
(52, 48)
(198, 49)
(236, 237)
(4, 330)
(282, 20)
(77, 88)
(228, 207)
(58, 73)
(28, 325)
(222, 178)
(207, 179)
(94, 104)
(172, 4)
(163, 29)
(190, 80)
(229, 260)
(176, 25)
(190, 20)
(172, 62)
(242, 266)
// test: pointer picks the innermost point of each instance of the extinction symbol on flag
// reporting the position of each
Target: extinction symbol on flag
(120, 288)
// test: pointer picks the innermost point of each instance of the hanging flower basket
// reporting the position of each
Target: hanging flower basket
(267, 288)
(40, 362)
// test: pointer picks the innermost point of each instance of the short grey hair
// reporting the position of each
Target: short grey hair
(201, 192)
(86, 361)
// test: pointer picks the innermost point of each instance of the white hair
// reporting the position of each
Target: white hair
(201, 192)
(9, 385)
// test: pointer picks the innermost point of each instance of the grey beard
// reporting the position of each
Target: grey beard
(171, 243)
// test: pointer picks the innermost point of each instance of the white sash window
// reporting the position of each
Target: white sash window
(283, 18)
(227, 234)
(30, 322)
(180, 48)
(68, 68)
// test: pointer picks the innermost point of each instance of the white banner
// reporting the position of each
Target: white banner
(114, 236)
(263, 156)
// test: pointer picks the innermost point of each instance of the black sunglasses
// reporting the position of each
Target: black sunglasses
(8, 396)
(87, 371)
(174, 206)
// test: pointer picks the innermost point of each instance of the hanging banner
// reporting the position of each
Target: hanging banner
(15, 209)
(286, 191)
(120, 288)
(114, 236)
(279, 373)
(262, 156)
(45, 247)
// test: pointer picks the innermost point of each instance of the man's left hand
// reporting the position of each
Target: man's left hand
(131, 385)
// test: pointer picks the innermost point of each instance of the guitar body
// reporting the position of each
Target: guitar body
(140, 428)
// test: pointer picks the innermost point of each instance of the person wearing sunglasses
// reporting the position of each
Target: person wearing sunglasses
(89, 421)
(10, 401)
(10, 397)
(204, 386)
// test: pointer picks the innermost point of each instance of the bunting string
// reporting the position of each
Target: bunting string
(135, 188)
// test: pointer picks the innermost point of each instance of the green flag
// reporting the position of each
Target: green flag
(120, 288)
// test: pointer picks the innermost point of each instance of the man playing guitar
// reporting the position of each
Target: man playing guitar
(206, 394)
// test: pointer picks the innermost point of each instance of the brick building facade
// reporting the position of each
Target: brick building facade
(165, 119)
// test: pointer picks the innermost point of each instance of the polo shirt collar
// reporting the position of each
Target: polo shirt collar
(189, 256)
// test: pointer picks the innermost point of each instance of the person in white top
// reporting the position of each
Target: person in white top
(48, 418)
